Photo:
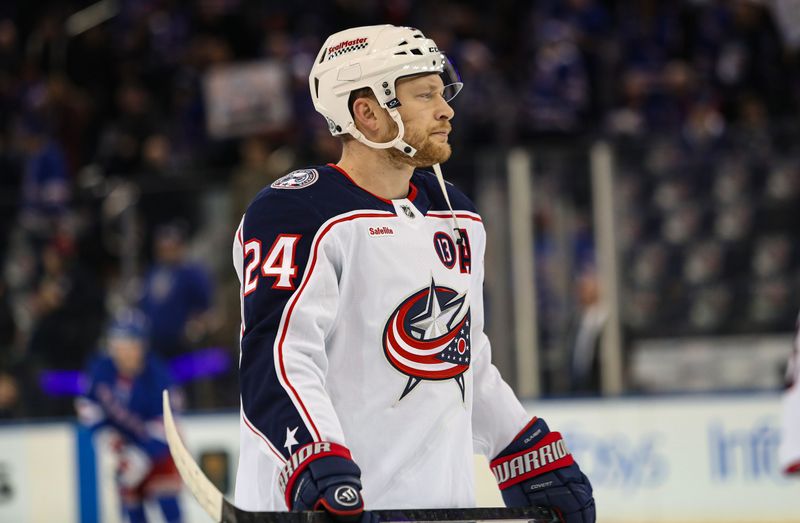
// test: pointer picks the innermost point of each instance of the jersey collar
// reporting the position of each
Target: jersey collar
(412, 189)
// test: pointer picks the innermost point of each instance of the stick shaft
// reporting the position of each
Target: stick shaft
(232, 514)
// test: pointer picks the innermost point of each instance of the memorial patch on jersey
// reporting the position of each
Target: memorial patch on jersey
(296, 179)
(445, 248)
(428, 337)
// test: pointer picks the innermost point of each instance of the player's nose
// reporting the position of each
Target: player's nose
(444, 111)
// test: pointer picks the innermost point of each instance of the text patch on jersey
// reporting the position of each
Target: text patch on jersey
(378, 232)
(296, 179)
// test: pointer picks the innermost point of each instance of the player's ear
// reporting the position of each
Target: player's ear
(366, 114)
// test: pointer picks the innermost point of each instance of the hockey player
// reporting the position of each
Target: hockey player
(124, 393)
(789, 451)
(365, 371)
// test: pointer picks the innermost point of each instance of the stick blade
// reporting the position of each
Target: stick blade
(209, 497)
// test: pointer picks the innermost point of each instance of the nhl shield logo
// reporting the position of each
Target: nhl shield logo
(407, 211)
(296, 179)
(428, 337)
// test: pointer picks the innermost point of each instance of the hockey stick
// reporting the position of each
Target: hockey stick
(223, 511)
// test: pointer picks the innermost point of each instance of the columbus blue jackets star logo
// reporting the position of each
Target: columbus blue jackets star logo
(428, 336)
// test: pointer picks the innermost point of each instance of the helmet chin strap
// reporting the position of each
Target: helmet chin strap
(397, 143)
(457, 227)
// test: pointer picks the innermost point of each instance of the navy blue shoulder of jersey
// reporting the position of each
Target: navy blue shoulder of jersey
(429, 188)
(313, 195)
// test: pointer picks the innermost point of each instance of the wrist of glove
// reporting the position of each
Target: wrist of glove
(323, 476)
(538, 469)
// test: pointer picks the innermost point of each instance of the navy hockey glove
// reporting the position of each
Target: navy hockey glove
(537, 469)
(323, 476)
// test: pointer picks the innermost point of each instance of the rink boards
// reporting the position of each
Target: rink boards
(672, 460)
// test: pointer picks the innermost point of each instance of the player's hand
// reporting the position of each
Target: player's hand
(537, 469)
(322, 476)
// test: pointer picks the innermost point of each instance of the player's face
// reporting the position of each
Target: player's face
(128, 355)
(426, 118)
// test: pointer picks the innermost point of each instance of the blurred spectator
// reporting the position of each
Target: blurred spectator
(68, 309)
(8, 326)
(9, 386)
(261, 164)
(9, 396)
(176, 295)
(45, 186)
(10, 181)
(556, 88)
(120, 149)
(586, 331)
(67, 314)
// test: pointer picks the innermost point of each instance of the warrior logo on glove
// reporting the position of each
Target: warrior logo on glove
(347, 496)
(428, 336)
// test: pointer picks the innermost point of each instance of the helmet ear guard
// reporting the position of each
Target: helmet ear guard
(374, 57)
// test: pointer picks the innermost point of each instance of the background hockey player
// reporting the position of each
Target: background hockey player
(365, 371)
(124, 393)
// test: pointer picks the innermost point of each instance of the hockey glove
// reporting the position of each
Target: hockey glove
(323, 476)
(537, 469)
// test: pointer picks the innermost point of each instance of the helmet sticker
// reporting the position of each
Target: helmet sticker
(346, 46)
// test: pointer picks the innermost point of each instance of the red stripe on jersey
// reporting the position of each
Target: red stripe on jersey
(463, 216)
(296, 296)
(264, 439)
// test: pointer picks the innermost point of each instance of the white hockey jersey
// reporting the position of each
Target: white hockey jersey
(362, 324)
(789, 450)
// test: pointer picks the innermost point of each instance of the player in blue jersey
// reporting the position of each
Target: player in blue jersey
(366, 374)
(124, 393)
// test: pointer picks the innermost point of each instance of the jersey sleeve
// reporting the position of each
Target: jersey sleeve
(289, 287)
(497, 414)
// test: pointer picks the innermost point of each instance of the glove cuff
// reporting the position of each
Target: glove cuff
(548, 453)
(300, 461)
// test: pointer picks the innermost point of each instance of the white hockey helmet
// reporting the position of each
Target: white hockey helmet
(374, 56)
